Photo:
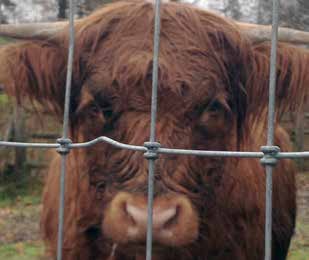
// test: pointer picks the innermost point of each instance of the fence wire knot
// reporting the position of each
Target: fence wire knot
(64, 145)
(152, 150)
(270, 155)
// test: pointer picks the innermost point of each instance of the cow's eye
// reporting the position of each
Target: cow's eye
(212, 120)
(94, 108)
(214, 106)
(200, 110)
(107, 112)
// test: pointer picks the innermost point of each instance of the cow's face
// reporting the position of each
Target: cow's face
(195, 111)
(200, 106)
(184, 186)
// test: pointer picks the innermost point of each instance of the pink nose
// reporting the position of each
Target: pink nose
(162, 217)
(175, 222)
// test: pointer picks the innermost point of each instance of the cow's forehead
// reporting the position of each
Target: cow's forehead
(185, 74)
(131, 80)
(193, 62)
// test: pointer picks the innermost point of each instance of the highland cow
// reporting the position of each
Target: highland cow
(212, 95)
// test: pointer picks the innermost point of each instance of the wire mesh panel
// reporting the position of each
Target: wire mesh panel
(269, 154)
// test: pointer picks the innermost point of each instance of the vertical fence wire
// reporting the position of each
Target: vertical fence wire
(69, 70)
(64, 140)
(273, 74)
(271, 123)
(151, 172)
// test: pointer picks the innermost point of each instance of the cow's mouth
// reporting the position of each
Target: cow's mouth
(137, 251)
(175, 221)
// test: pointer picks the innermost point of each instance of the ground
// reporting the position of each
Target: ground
(20, 236)
(300, 245)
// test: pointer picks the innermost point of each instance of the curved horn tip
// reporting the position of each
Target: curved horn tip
(32, 30)
(258, 33)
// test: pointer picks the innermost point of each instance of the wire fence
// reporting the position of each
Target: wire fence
(269, 154)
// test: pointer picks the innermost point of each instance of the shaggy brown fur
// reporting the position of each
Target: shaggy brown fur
(213, 93)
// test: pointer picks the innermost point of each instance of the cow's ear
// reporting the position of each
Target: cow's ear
(292, 86)
(36, 71)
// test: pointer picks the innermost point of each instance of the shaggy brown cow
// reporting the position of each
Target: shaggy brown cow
(213, 94)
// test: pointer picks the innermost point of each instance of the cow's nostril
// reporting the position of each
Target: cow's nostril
(173, 219)
(136, 214)
(162, 218)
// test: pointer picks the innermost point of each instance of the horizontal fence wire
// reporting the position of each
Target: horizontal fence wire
(152, 149)
(116, 144)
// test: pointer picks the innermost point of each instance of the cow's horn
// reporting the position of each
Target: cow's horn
(32, 30)
(259, 33)
(256, 32)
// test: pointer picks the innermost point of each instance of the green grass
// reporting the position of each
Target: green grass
(4, 40)
(19, 188)
(21, 251)
(12, 195)
(299, 254)
(299, 249)
(20, 201)
(4, 100)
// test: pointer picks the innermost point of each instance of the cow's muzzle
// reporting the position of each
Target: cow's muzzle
(175, 221)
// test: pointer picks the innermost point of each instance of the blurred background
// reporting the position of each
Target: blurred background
(293, 12)
(22, 171)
